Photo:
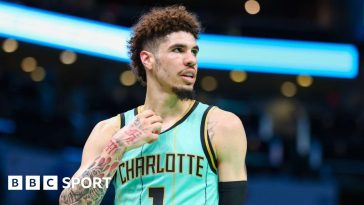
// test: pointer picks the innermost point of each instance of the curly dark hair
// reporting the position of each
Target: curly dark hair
(155, 25)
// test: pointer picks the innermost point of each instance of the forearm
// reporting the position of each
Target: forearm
(103, 166)
(135, 134)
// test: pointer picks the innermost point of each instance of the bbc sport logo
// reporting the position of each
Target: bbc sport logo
(50, 182)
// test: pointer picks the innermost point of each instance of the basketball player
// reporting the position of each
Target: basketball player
(172, 149)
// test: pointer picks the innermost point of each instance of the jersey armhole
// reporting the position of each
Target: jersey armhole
(121, 120)
(206, 142)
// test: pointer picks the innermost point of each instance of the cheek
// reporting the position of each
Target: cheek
(167, 68)
(163, 75)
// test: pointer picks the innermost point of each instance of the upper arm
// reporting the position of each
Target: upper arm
(96, 142)
(228, 138)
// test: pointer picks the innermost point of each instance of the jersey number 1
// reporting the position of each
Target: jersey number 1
(157, 195)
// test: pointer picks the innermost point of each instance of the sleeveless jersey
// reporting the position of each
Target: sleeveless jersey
(178, 168)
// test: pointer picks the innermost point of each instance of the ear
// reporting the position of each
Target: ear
(147, 59)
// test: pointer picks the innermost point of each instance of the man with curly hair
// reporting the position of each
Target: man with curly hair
(172, 149)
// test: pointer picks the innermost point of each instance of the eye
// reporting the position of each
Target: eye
(177, 50)
(195, 52)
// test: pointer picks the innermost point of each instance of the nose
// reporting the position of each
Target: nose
(190, 60)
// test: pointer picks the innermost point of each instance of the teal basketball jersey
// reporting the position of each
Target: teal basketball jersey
(178, 168)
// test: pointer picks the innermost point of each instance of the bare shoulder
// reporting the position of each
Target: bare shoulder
(103, 131)
(229, 141)
(99, 137)
(97, 140)
(226, 132)
(224, 120)
(107, 125)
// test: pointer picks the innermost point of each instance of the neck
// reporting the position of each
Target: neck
(166, 105)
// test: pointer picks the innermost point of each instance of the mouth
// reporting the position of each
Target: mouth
(188, 73)
(188, 76)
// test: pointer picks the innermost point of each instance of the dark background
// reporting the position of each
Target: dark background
(45, 124)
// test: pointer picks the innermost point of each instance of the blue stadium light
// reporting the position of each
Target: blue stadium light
(217, 51)
(279, 56)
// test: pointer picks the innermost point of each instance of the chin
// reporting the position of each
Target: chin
(182, 86)
(184, 93)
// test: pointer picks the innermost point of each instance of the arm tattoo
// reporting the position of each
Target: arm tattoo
(132, 135)
(112, 147)
(137, 122)
(211, 129)
(134, 132)
(104, 166)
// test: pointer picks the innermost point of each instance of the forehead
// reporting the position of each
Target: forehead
(180, 37)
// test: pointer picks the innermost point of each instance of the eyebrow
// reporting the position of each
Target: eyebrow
(184, 46)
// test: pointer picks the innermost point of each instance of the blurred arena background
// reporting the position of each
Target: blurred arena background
(305, 133)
